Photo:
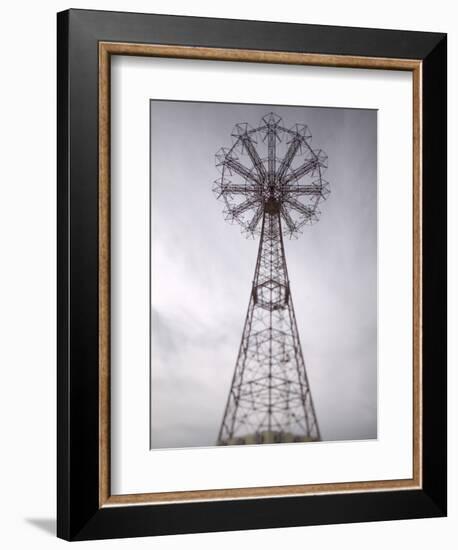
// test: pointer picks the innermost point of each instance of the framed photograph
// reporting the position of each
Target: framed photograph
(251, 274)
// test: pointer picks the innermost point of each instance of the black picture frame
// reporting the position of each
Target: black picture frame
(80, 517)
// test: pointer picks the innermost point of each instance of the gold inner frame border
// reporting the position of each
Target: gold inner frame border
(106, 50)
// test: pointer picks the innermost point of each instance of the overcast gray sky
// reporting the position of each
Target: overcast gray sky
(202, 268)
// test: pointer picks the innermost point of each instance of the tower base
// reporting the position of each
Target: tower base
(267, 437)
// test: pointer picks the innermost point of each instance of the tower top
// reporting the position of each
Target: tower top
(271, 169)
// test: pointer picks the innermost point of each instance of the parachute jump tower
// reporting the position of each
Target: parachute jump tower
(271, 184)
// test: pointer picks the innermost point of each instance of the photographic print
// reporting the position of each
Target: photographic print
(263, 274)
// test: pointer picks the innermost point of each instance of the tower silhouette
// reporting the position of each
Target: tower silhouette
(270, 400)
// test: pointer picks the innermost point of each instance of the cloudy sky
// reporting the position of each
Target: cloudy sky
(202, 268)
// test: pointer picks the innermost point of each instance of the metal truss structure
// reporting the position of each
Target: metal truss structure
(271, 183)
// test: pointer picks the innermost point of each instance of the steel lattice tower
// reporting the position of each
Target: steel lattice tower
(276, 191)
